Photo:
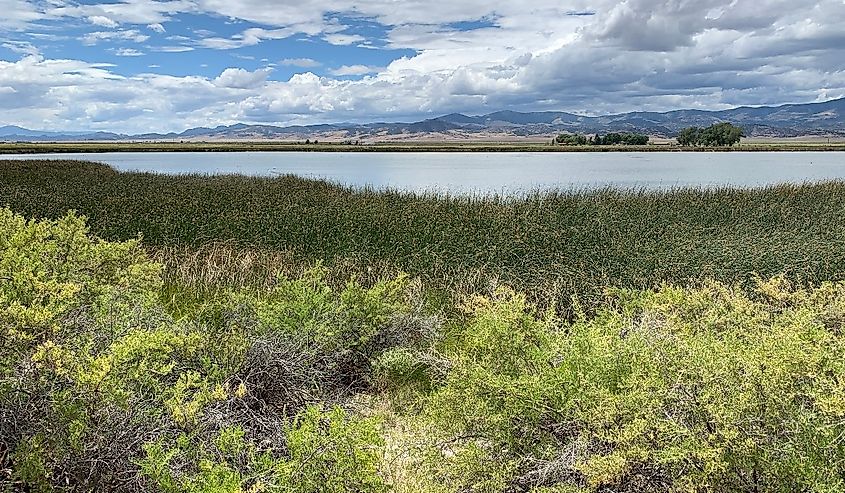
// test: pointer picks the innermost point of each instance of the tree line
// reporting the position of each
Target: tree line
(717, 135)
(598, 139)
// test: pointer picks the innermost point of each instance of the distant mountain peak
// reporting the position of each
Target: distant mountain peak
(459, 118)
(787, 120)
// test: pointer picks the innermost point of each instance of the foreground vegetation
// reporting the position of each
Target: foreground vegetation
(282, 334)
(229, 230)
(301, 387)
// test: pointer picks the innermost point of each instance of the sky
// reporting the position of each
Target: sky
(137, 66)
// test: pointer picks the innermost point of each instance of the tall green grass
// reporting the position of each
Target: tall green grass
(564, 242)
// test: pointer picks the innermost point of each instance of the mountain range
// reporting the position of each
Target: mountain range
(791, 120)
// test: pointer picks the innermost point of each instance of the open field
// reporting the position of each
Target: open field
(261, 336)
(762, 145)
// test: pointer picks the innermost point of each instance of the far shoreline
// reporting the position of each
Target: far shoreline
(398, 147)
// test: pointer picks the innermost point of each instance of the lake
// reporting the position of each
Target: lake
(495, 172)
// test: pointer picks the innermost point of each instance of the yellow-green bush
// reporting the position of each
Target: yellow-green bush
(327, 452)
(706, 389)
(101, 390)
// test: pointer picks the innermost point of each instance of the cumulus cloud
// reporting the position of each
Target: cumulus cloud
(238, 78)
(157, 27)
(103, 21)
(354, 70)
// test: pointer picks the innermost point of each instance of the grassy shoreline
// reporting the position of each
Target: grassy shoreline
(92, 147)
(565, 243)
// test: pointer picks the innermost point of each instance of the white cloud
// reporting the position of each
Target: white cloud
(173, 49)
(157, 27)
(18, 14)
(354, 70)
(140, 12)
(249, 37)
(128, 52)
(22, 47)
(307, 12)
(132, 35)
(238, 78)
(103, 21)
(343, 39)
(300, 62)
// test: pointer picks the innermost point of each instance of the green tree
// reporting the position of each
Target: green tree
(718, 135)
(689, 136)
(616, 138)
(571, 140)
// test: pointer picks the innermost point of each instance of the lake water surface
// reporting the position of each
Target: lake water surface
(495, 172)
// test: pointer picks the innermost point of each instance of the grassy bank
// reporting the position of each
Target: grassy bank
(561, 242)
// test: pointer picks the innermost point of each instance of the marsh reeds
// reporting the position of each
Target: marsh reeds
(236, 229)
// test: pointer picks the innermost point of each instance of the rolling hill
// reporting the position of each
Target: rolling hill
(791, 120)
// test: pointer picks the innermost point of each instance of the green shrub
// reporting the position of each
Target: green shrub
(327, 451)
(100, 388)
(65, 404)
(408, 369)
(331, 453)
(680, 389)
(226, 463)
(348, 319)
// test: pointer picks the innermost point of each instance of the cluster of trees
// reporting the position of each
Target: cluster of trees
(610, 139)
(717, 135)
(599, 140)
(570, 140)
